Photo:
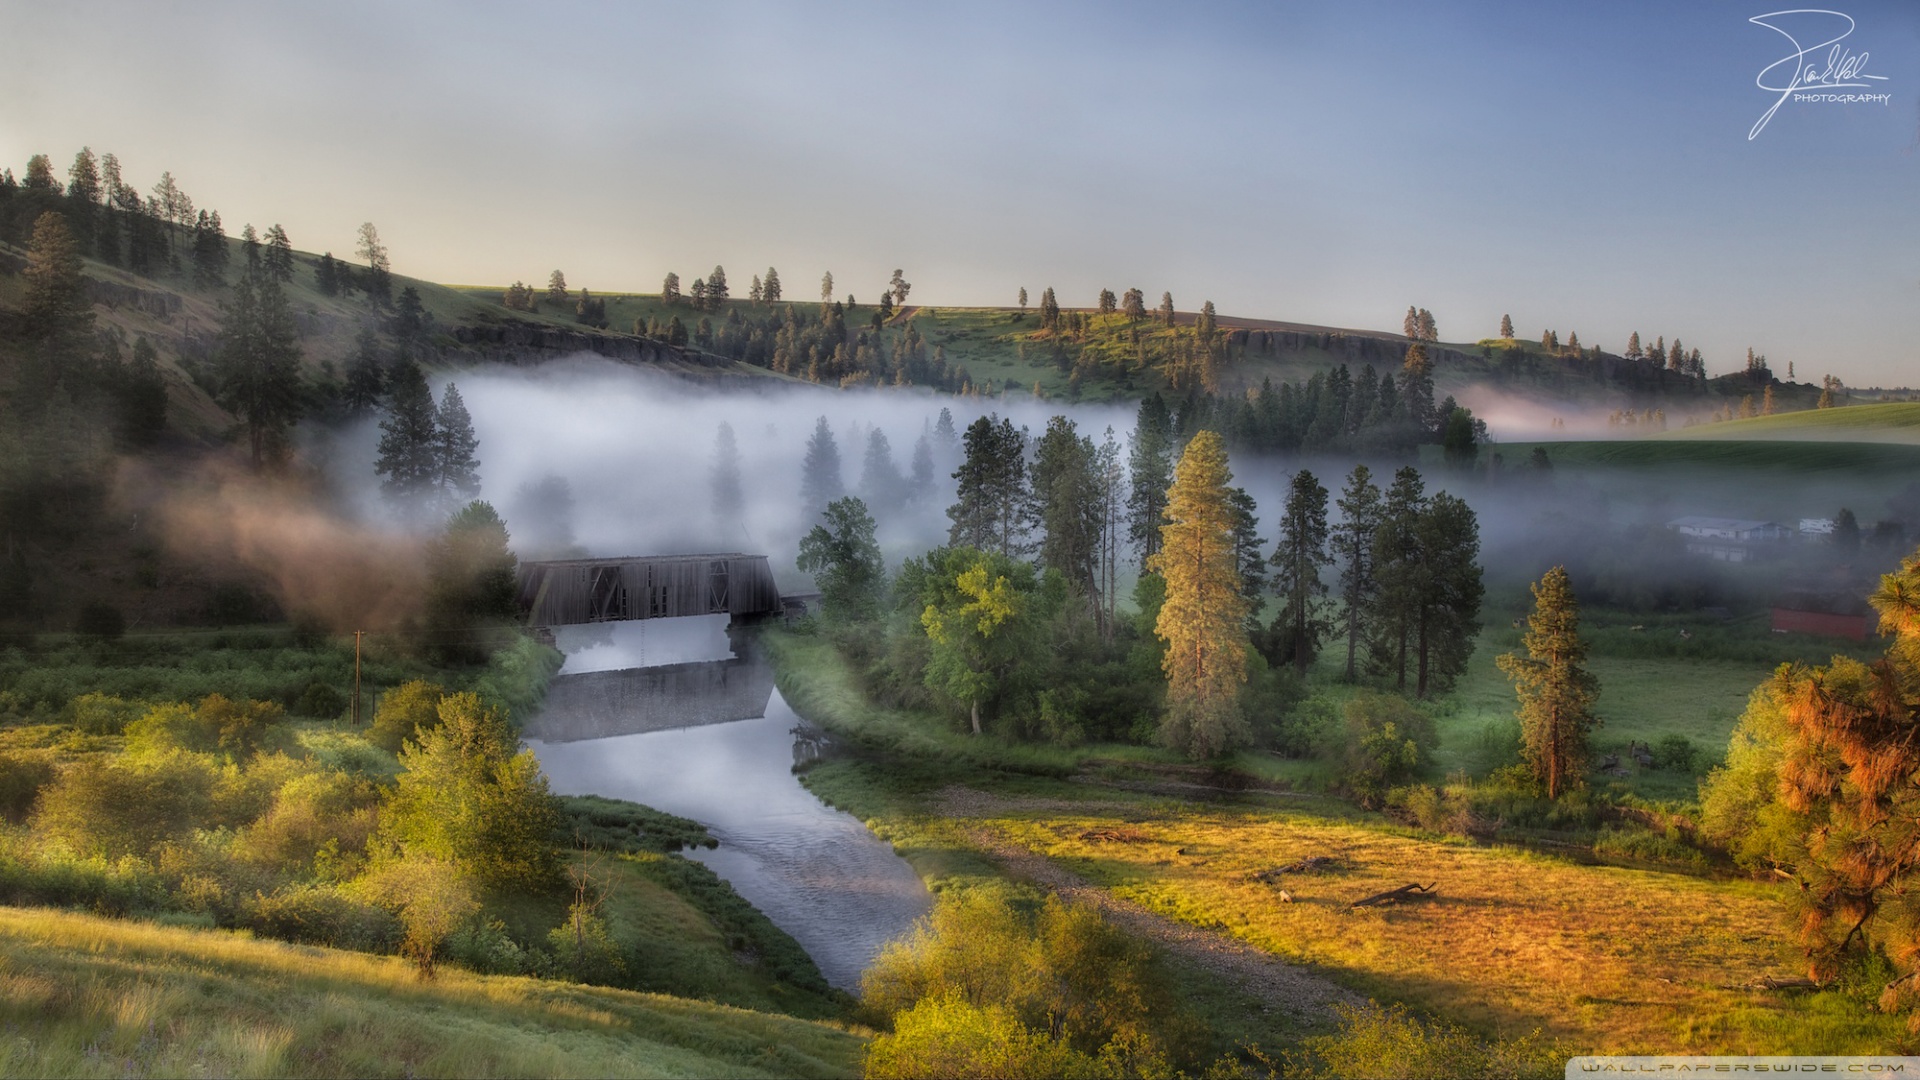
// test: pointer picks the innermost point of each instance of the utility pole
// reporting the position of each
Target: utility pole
(356, 677)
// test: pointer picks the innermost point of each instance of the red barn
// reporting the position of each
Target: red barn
(1792, 621)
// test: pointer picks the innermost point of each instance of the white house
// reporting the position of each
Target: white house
(1816, 526)
(1727, 539)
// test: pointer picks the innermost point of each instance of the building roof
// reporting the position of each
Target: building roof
(1696, 521)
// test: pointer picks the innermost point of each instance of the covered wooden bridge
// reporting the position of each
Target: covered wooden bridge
(568, 592)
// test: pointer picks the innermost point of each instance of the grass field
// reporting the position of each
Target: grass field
(1602, 958)
(1879, 422)
(1752, 455)
(103, 997)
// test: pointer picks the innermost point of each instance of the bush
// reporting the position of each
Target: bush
(103, 714)
(22, 775)
(321, 915)
(100, 622)
(1391, 1043)
(404, 711)
(320, 701)
(118, 808)
(947, 1036)
(1676, 752)
(1387, 741)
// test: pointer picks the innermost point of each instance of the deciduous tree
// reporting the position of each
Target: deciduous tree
(844, 559)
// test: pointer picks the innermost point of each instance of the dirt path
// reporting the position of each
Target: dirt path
(1305, 998)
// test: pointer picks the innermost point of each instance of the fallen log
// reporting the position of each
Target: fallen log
(1776, 982)
(1410, 891)
(1315, 865)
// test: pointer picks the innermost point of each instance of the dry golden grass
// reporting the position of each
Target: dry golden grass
(85, 996)
(1606, 959)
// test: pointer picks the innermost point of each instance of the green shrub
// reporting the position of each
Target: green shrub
(321, 915)
(404, 711)
(320, 701)
(22, 775)
(1645, 845)
(124, 807)
(1391, 1043)
(100, 622)
(948, 1036)
(103, 714)
(1386, 741)
(1676, 752)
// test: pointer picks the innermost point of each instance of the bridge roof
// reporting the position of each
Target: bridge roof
(605, 559)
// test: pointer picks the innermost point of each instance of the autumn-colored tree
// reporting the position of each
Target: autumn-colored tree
(1203, 620)
(1556, 693)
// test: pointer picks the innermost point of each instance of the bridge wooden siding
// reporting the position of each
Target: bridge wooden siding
(568, 592)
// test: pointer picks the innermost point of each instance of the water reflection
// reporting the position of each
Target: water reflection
(674, 737)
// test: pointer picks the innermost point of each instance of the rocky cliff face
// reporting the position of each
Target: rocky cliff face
(1385, 353)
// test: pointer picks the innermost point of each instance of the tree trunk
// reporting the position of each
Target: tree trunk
(1420, 685)
(974, 707)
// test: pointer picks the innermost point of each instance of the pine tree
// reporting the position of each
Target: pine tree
(1766, 401)
(1410, 326)
(326, 275)
(455, 444)
(1448, 615)
(1107, 303)
(717, 288)
(826, 288)
(820, 478)
(1203, 619)
(670, 289)
(1206, 323)
(1149, 474)
(1023, 299)
(260, 366)
(142, 397)
(1416, 391)
(1165, 311)
(899, 288)
(279, 254)
(1299, 555)
(770, 287)
(729, 500)
(54, 312)
(1506, 327)
(409, 441)
(1065, 506)
(920, 485)
(1049, 309)
(1352, 544)
(880, 481)
(366, 374)
(379, 283)
(1428, 331)
(1633, 346)
(1556, 694)
(1400, 571)
(990, 499)
(556, 288)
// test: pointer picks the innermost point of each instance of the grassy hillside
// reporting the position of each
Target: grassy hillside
(86, 996)
(1755, 453)
(1881, 422)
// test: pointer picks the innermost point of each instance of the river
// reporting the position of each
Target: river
(666, 715)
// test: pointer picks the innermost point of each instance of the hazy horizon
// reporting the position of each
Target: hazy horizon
(1581, 170)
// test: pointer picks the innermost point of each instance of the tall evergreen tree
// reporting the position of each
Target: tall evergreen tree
(557, 288)
(820, 478)
(379, 281)
(1065, 506)
(1049, 309)
(1506, 327)
(717, 288)
(1556, 693)
(990, 504)
(920, 484)
(1149, 474)
(1448, 617)
(54, 312)
(142, 397)
(1400, 570)
(898, 287)
(366, 374)
(260, 366)
(279, 254)
(826, 288)
(1203, 619)
(1248, 556)
(409, 460)
(729, 500)
(670, 289)
(1165, 311)
(880, 481)
(1416, 391)
(1352, 543)
(1298, 557)
(455, 446)
(770, 286)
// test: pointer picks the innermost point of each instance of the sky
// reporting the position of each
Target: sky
(1581, 167)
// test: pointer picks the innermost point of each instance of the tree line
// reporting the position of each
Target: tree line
(1015, 625)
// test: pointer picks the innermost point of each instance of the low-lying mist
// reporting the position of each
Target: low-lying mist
(637, 451)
